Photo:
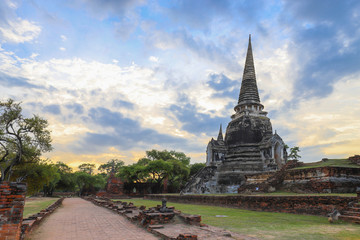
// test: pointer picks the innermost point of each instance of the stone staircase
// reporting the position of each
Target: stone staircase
(352, 214)
(202, 181)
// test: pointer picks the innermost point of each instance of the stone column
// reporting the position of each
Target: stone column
(12, 201)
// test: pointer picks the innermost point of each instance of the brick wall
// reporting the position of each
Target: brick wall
(313, 205)
(12, 200)
(323, 179)
(320, 179)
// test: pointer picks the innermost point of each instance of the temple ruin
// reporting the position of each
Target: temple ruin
(250, 146)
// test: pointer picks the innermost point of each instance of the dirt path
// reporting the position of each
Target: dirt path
(79, 219)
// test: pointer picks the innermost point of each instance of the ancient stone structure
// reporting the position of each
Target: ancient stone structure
(249, 146)
(12, 201)
(355, 159)
(326, 179)
(313, 205)
(114, 185)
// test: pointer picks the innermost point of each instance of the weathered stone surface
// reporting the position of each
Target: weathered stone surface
(249, 147)
(321, 180)
(114, 185)
(12, 201)
(313, 205)
(355, 159)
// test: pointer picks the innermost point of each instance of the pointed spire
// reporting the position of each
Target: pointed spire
(249, 91)
(220, 136)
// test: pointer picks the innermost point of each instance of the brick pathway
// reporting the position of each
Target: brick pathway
(79, 219)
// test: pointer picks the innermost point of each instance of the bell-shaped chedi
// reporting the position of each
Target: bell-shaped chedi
(249, 146)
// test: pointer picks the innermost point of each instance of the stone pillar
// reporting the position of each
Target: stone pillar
(12, 201)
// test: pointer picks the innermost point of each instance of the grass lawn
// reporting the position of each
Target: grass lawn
(265, 225)
(35, 205)
(282, 193)
(330, 163)
(278, 193)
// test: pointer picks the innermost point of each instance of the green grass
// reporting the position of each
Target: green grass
(283, 193)
(265, 225)
(33, 206)
(330, 163)
(277, 193)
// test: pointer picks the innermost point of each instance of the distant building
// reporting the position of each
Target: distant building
(249, 147)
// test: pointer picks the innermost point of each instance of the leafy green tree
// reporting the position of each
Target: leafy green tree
(21, 139)
(158, 170)
(39, 175)
(87, 168)
(88, 183)
(135, 173)
(158, 166)
(196, 167)
(67, 178)
(167, 155)
(113, 165)
(63, 167)
(294, 154)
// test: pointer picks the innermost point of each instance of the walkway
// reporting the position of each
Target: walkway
(79, 219)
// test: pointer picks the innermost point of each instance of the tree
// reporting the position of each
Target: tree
(40, 175)
(294, 154)
(196, 167)
(135, 173)
(63, 168)
(88, 183)
(87, 168)
(67, 178)
(21, 139)
(158, 166)
(113, 165)
(167, 155)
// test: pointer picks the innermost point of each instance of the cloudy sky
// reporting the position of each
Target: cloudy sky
(115, 78)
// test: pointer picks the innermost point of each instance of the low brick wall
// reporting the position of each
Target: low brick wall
(312, 205)
(12, 201)
(29, 223)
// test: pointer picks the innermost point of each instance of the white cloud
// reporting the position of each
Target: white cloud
(34, 55)
(62, 49)
(329, 124)
(63, 38)
(153, 59)
(19, 31)
(11, 4)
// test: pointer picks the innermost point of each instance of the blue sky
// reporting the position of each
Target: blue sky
(116, 78)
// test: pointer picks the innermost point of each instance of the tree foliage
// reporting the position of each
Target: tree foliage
(40, 175)
(157, 166)
(21, 139)
(294, 154)
(88, 183)
(113, 165)
(87, 168)
(67, 178)
(196, 167)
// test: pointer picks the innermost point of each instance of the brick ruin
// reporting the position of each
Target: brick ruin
(12, 201)
(164, 221)
(307, 180)
(312, 205)
(29, 223)
(355, 159)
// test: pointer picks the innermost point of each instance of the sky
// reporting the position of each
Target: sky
(116, 78)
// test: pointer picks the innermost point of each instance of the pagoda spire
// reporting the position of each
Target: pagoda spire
(220, 136)
(249, 92)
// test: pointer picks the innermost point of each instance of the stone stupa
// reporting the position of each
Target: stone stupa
(250, 146)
